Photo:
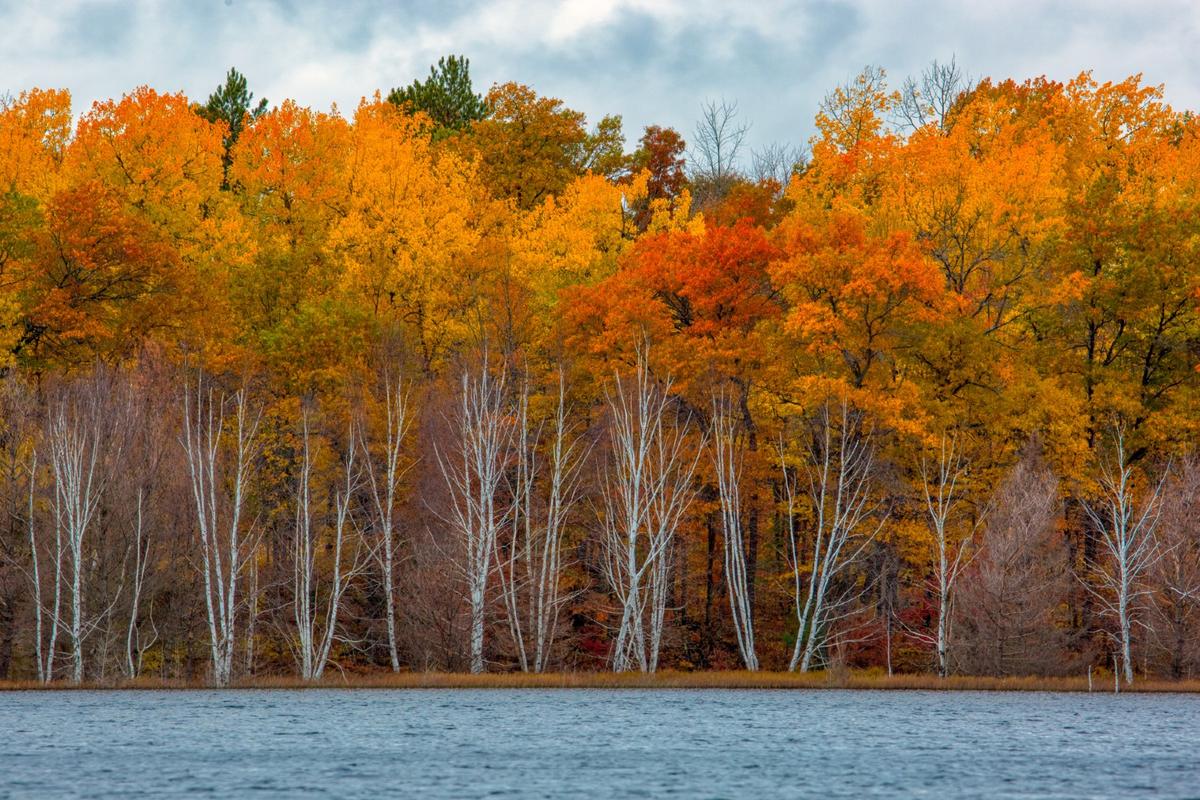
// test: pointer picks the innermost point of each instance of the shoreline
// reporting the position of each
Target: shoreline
(1101, 683)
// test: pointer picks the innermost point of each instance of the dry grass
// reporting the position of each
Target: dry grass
(661, 680)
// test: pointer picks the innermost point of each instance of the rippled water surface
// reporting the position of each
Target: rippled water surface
(597, 743)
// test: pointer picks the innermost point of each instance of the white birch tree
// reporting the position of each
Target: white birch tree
(76, 438)
(647, 490)
(1126, 528)
(942, 492)
(846, 518)
(669, 505)
(44, 652)
(135, 648)
(474, 475)
(219, 487)
(144, 485)
(727, 461)
(530, 574)
(383, 476)
(315, 606)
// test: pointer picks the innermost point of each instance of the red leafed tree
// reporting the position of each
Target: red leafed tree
(100, 283)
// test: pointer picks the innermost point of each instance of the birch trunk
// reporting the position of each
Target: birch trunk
(44, 652)
(75, 437)
(383, 481)
(840, 471)
(1127, 537)
(219, 510)
(531, 573)
(942, 490)
(727, 461)
(141, 549)
(316, 627)
(647, 491)
(473, 476)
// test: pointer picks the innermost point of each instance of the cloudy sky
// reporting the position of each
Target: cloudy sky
(653, 61)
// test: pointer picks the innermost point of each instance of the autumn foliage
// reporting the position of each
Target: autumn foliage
(1019, 273)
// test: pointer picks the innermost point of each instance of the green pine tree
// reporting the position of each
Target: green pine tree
(231, 103)
(446, 96)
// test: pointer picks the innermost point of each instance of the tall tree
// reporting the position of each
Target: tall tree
(647, 490)
(446, 96)
(662, 155)
(532, 146)
(219, 484)
(473, 470)
(406, 241)
(232, 104)
(846, 515)
(1125, 523)
(720, 136)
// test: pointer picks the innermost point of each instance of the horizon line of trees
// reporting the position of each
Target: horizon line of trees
(458, 383)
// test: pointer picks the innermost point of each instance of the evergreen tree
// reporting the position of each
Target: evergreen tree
(231, 104)
(446, 96)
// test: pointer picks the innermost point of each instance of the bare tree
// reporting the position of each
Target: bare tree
(531, 574)
(78, 435)
(141, 498)
(728, 452)
(1126, 529)
(647, 490)
(383, 476)
(44, 652)
(219, 492)
(717, 144)
(1009, 606)
(776, 162)
(929, 99)
(1175, 578)
(951, 533)
(316, 627)
(474, 475)
(846, 518)
(135, 649)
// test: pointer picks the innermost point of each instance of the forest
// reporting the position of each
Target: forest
(461, 381)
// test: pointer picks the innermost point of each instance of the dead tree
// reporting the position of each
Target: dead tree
(929, 99)
(1009, 606)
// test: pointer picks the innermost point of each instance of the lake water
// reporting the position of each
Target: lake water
(597, 743)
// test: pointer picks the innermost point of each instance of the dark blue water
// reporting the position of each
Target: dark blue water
(597, 743)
